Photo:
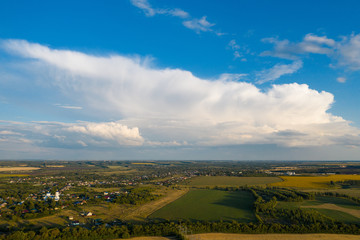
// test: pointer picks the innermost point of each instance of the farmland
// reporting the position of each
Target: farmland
(17, 169)
(339, 209)
(224, 236)
(211, 181)
(157, 198)
(211, 205)
(313, 182)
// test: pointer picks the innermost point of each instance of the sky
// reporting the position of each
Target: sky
(180, 80)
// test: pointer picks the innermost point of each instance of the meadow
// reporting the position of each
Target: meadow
(339, 209)
(229, 236)
(313, 182)
(209, 205)
(225, 181)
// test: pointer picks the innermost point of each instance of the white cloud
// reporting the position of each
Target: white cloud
(150, 11)
(59, 134)
(234, 45)
(69, 107)
(109, 131)
(349, 52)
(345, 52)
(178, 13)
(145, 6)
(277, 71)
(172, 105)
(310, 44)
(319, 40)
(199, 25)
(235, 48)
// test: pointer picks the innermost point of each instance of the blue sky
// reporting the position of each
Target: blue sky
(152, 79)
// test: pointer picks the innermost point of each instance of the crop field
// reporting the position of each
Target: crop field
(353, 192)
(16, 169)
(316, 182)
(210, 205)
(229, 236)
(338, 213)
(212, 181)
(2, 175)
(336, 208)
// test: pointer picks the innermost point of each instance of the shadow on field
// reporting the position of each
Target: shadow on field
(231, 200)
(236, 200)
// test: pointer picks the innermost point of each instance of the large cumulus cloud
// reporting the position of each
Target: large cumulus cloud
(174, 106)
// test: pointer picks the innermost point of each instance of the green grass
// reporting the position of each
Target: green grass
(332, 213)
(210, 205)
(212, 181)
(342, 202)
(338, 215)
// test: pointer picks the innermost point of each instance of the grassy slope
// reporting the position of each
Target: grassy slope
(231, 181)
(213, 205)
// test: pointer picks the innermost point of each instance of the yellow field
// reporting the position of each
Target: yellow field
(14, 175)
(313, 182)
(9, 169)
(229, 236)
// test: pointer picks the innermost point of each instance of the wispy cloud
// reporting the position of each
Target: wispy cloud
(172, 105)
(345, 52)
(69, 107)
(150, 11)
(310, 44)
(348, 52)
(198, 25)
(236, 50)
(278, 71)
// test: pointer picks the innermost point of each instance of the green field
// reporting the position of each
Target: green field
(210, 205)
(339, 209)
(342, 202)
(221, 181)
(339, 216)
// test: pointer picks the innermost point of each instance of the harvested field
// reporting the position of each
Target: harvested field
(147, 209)
(110, 212)
(317, 182)
(17, 169)
(229, 236)
(221, 181)
(55, 166)
(210, 205)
